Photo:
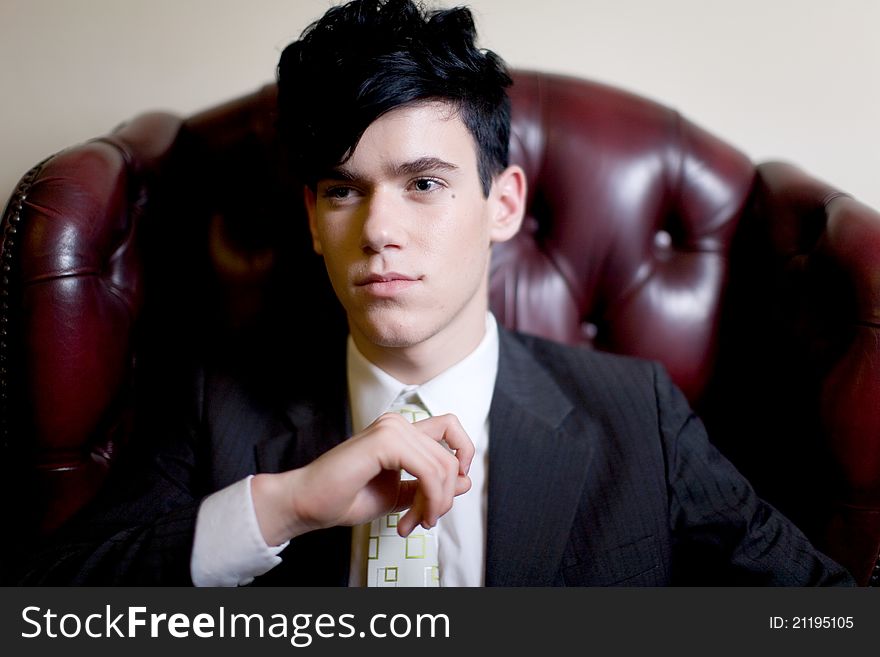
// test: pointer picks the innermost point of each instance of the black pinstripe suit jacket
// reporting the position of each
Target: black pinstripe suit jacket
(599, 475)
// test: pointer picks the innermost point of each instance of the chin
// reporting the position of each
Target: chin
(394, 333)
(395, 338)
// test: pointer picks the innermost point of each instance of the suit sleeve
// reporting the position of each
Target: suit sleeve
(718, 523)
(139, 530)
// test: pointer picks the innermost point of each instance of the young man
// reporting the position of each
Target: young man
(529, 463)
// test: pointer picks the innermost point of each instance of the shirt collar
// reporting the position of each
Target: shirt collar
(465, 389)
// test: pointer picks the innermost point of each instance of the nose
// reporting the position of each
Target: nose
(382, 228)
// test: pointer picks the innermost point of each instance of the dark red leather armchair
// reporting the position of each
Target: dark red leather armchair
(758, 287)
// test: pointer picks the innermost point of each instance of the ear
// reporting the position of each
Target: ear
(507, 200)
(311, 209)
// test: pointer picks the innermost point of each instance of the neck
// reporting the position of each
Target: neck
(418, 363)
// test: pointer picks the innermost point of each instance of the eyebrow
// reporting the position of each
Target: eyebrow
(423, 164)
(413, 167)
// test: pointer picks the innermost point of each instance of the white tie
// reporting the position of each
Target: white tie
(391, 559)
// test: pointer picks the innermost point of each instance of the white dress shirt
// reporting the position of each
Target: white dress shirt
(229, 550)
(465, 390)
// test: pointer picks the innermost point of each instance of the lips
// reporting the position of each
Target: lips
(383, 278)
(387, 284)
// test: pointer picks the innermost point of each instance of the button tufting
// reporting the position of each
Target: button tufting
(662, 239)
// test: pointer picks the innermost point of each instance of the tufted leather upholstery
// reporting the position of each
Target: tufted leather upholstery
(129, 257)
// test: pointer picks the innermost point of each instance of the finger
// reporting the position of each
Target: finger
(412, 518)
(418, 516)
(445, 470)
(427, 436)
(406, 494)
(431, 466)
(434, 493)
(401, 445)
(447, 428)
(448, 472)
(462, 484)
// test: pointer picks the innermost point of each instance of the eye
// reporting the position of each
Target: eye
(426, 184)
(340, 195)
(338, 192)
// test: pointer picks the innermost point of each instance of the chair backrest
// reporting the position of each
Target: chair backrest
(128, 257)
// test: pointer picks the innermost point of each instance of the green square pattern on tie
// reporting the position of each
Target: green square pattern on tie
(391, 559)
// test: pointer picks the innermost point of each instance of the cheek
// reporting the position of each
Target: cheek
(337, 238)
(335, 251)
(471, 237)
(462, 246)
(462, 229)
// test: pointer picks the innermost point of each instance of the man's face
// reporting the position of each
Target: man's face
(405, 230)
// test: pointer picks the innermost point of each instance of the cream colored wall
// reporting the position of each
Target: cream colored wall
(790, 79)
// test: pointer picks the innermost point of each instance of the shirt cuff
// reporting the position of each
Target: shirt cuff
(228, 548)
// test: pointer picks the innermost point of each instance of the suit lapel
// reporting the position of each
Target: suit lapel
(316, 419)
(536, 472)
(309, 432)
(314, 424)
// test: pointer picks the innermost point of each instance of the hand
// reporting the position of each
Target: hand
(359, 480)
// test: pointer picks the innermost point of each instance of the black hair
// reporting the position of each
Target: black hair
(367, 57)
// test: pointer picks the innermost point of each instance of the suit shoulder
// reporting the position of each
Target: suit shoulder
(596, 381)
(573, 362)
